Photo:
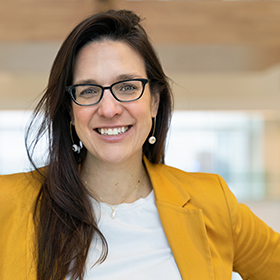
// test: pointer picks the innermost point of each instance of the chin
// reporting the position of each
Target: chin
(117, 157)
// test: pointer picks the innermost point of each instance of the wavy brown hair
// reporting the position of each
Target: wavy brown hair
(64, 219)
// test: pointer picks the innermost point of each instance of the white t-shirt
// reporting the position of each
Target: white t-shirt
(138, 248)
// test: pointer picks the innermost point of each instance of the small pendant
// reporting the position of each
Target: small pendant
(113, 214)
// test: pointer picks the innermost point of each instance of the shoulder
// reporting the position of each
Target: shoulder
(19, 181)
(19, 190)
(195, 184)
(192, 176)
(201, 190)
(193, 181)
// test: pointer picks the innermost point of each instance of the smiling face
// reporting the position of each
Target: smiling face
(112, 131)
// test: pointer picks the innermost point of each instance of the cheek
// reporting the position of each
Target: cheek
(146, 117)
(81, 117)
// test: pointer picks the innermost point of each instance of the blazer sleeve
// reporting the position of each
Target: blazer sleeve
(257, 246)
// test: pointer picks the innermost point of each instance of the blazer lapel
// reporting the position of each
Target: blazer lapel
(183, 225)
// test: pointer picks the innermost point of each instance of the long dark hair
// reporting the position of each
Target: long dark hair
(64, 219)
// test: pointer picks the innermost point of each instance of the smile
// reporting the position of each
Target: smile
(112, 131)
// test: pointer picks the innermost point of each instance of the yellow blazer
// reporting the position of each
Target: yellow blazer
(209, 233)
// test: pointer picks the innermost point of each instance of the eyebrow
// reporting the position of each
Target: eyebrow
(128, 77)
(119, 78)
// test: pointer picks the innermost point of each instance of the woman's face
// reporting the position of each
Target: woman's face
(105, 63)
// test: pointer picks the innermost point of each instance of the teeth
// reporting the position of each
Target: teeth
(112, 131)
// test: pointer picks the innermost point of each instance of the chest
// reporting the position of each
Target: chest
(138, 247)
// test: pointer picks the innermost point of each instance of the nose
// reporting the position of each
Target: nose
(109, 106)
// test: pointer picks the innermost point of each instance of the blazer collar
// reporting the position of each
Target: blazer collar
(174, 192)
(183, 224)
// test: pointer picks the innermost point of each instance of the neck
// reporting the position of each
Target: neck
(113, 182)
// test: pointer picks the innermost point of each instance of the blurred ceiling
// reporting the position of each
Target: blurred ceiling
(191, 37)
(243, 35)
(171, 22)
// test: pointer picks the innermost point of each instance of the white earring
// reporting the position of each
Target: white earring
(75, 147)
(153, 139)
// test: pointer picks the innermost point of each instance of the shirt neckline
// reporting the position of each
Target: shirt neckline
(139, 202)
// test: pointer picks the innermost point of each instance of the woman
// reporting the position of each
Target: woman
(106, 206)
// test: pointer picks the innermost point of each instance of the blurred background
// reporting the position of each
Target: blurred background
(223, 58)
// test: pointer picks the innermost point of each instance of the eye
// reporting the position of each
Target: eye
(130, 87)
(127, 88)
(87, 92)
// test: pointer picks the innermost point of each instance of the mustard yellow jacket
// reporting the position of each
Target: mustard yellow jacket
(210, 234)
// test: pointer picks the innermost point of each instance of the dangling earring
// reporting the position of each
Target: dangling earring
(153, 139)
(75, 147)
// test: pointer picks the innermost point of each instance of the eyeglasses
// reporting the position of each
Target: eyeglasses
(123, 91)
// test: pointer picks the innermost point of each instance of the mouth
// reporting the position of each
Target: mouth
(113, 131)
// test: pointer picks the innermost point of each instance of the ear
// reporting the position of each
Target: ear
(155, 99)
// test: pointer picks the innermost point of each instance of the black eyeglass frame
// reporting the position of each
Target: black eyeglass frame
(70, 88)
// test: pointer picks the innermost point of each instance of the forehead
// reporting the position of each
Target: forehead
(104, 61)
